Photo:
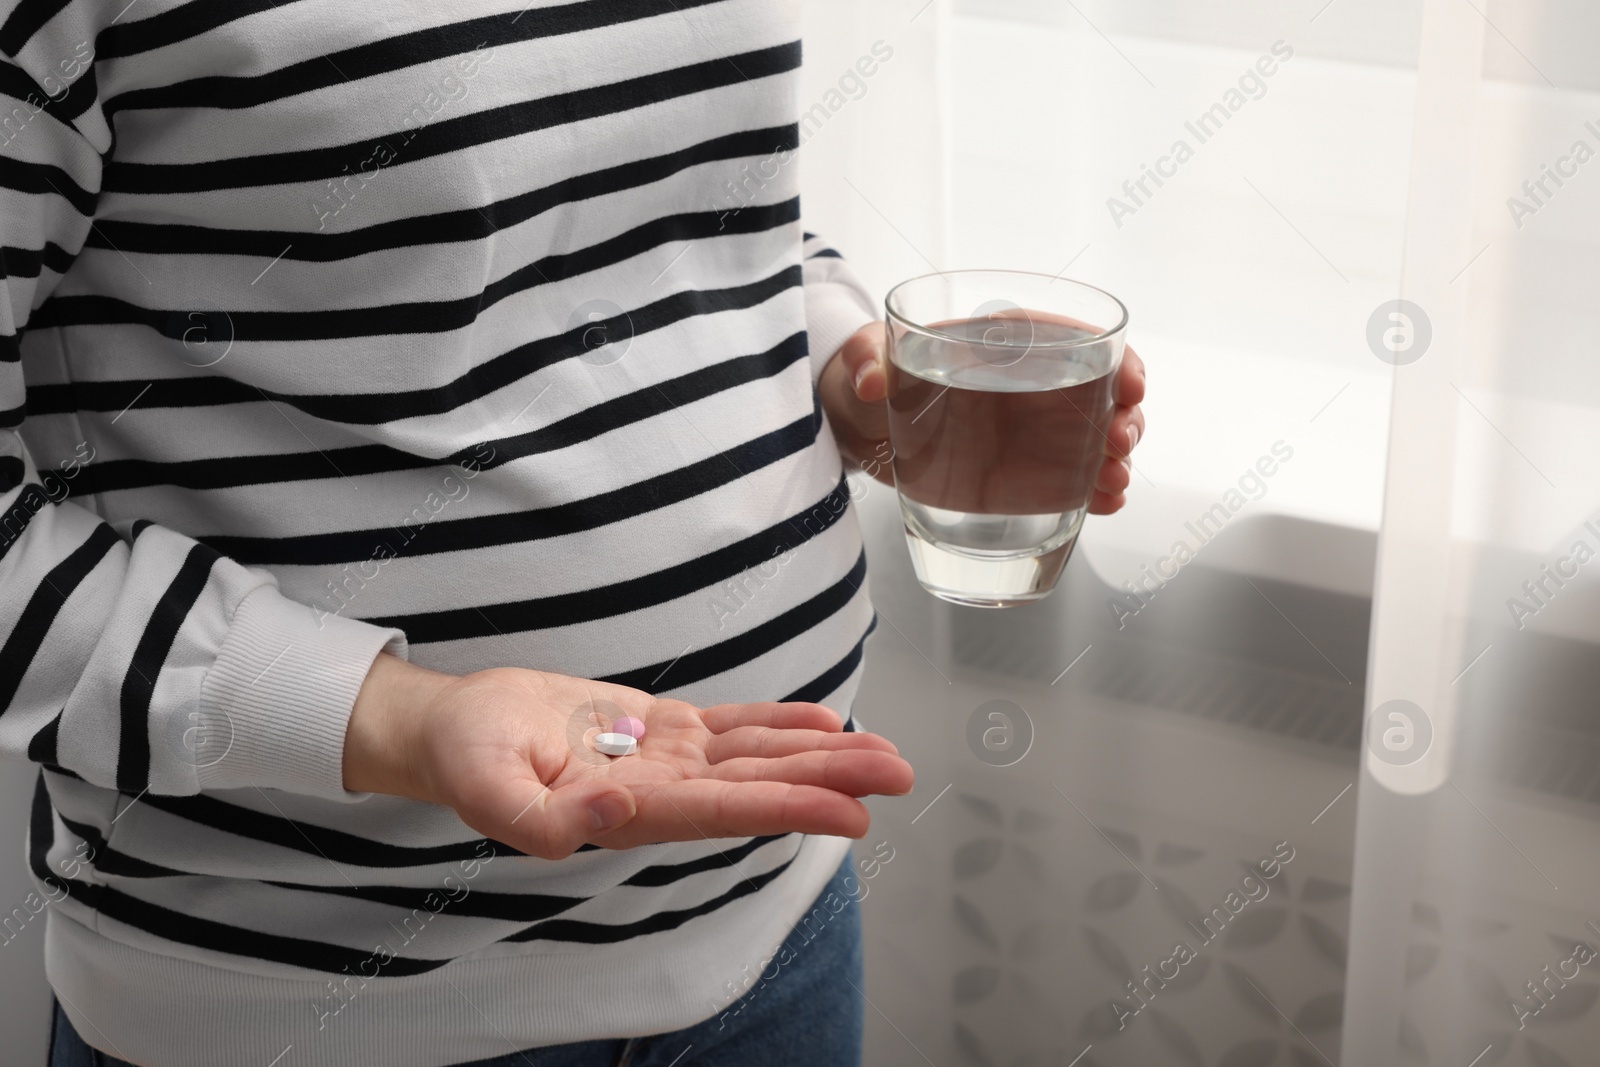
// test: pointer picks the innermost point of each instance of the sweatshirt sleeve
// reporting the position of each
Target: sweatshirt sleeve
(837, 304)
(131, 656)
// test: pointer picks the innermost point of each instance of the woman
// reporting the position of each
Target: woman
(405, 403)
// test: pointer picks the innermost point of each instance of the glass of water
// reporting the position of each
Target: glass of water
(1000, 397)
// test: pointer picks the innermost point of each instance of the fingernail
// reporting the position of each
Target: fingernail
(1133, 436)
(1126, 462)
(608, 811)
(861, 375)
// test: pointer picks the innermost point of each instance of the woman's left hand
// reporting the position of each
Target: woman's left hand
(854, 388)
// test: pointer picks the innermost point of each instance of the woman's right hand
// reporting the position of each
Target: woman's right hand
(508, 750)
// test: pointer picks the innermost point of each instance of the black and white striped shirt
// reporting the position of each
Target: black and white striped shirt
(484, 332)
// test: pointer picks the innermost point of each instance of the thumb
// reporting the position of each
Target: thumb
(863, 355)
(553, 823)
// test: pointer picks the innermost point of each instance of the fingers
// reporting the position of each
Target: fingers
(702, 807)
(1129, 386)
(1113, 478)
(1127, 427)
(862, 356)
(853, 772)
(772, 715)
(1102, 503)
(853, 390)
(764, 743)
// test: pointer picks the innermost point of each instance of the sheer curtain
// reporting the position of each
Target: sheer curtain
(1475, 921)
(874, 131)
(1416, 590)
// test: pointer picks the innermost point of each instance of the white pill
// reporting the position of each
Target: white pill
(616, 744)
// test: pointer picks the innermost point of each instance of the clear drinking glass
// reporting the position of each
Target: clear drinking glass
(1000, 396)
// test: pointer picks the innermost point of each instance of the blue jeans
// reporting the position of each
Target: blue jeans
(806, 1015)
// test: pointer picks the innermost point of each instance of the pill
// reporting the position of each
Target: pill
(628, 725)
(616, 744)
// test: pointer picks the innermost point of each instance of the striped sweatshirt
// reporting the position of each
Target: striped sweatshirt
(484, 333)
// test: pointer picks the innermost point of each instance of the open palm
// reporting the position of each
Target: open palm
(509, 750)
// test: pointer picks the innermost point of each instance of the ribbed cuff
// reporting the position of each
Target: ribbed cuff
(834, 311)
(280, 693)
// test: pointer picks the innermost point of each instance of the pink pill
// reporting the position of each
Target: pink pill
(628, 725)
